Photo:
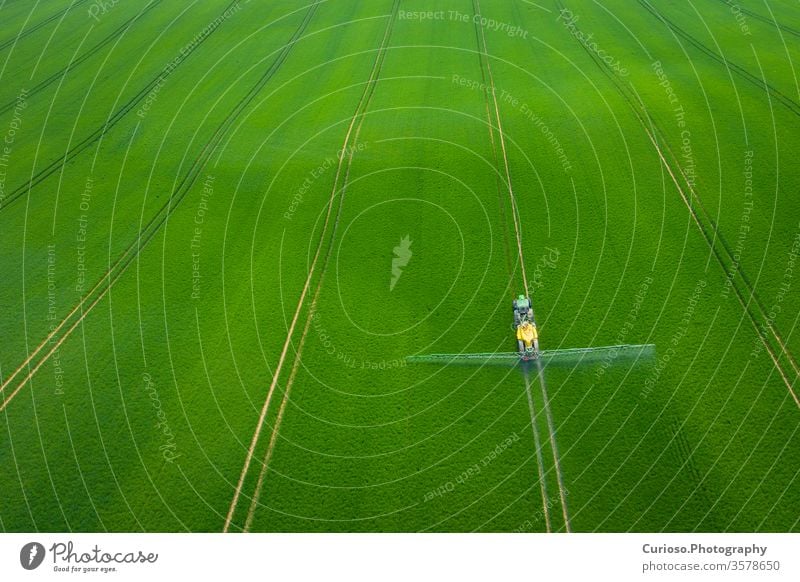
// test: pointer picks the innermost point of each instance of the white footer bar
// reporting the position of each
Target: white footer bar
(389, 557)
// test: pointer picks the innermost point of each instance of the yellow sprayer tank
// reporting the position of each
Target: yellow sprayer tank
(527, 333)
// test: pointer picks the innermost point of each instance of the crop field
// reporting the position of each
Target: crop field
(225, 225)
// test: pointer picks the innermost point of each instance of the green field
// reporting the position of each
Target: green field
(224, 226)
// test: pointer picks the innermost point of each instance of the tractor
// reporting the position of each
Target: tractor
(525, 329)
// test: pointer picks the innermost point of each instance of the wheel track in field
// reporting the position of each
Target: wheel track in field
(484, 60)
(562, 490)
(740, 295)
(7, 43)
(762, 84)
(146, 234)
(514, 209)
(81, 59)
(354, 129)
(537, 443)
(551, 428)
(775, 23)
(483, 53)
(112, 120)
(502, 200)
(726, 254)
(720, 256)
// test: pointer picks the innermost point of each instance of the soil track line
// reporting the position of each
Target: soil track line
(514, 210)
(484, 53)
(354, 128)
(498, 180)
(112, 120)
(787, 101)
(554, 446)
(775, 23)
(640, 111)
(539, 460)
(154, 225)
(82, 58)
(736, 290)
(728, 252)
(277, 425)
(313, 307)
(749, 289)
(45, 22)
